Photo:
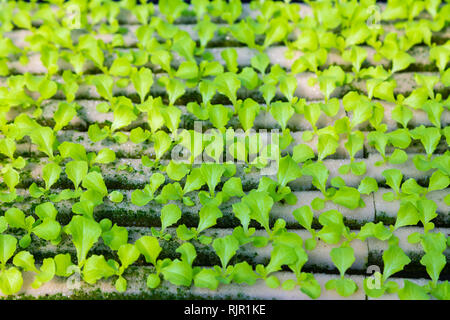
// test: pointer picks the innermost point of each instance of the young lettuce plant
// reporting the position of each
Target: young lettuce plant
(149, 247)
(180, 272)
(116, 238)
(11, 279)
(288, 250)
(225, 249)
(142, 197)
(84, 232)
(46, 227)
(343, 258)
(170, 215)
(394, 260)
(208, 215)
(434, 260)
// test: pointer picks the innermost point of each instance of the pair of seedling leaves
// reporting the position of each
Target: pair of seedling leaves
(45, 227)
(11, 279)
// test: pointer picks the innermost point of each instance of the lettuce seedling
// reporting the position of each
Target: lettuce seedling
(170, 214)
(142, 81)
(228, 84)
(142, 197)
(343, 258)
(394, 260)
(46, 227)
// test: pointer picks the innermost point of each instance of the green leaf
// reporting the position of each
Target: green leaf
(187, 251)
(128, 254)
(394, 260)
(97, 268)
(412, 291)
(310, 286)
(48, 230)
(51, 173)
(46, 273)
(282, 112)
(85, 233)
(227, 84)
(149, 247)
(170, 214)
(208, 216)
(177, 171)
(96, 134)
(212, 173)
(233, 187)
(302, 152)
(401, 61)
(63, 115)
(76, 171)
(11, 178)
(327, 146)
(280, 255)
(104, 156)
(15, 218)
(25, 260)
(229, 55)
(343, 258)
(115, 237)
(47, 89)
(288, 171)
(225, 248)
(368, 185)
(116, 196)
(10, 281)
(123, 116)
(347, 197)
(393, 178)
(8, 245)
(434, 262)
(260, 204)
(175, 89)
(304, 216)
(44, 138)
(153, 281)
(219, 115)
(344, 286)
(428, 136)
(104, 85)
(120, 67)
(247, 113)
(162, 143)
(260, 62)
(94, 181)
(276, 32)
(178, 273)
(438, 181)
(187, 70)
(243, 273)
(205, 29)
(72, 150)
(442, 291)
(142, 81)
(206, 278)
(398, 157)
(3, 224)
